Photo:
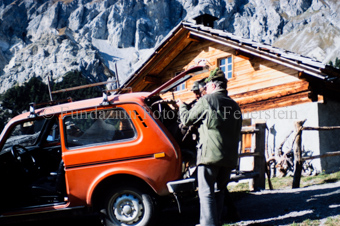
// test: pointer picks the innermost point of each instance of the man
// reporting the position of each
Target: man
(190, 133)
(219, 121)
(198, 89)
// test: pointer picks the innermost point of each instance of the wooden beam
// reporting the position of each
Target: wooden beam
(193, 38)
(327, 154)
(81, 87)
(152, 79)
(313, 96)
(331, 71)
(271, 92)
(259, 183)
(302, 75)
(321, 128)
(250, 154)
(242, 54)
(291, 100)
(314, 90)
(298, 155)
(122, 90)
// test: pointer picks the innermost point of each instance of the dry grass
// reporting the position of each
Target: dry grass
(286, 182)
(332, 221)
(307, 222)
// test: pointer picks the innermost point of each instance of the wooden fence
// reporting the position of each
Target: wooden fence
(258, 174)
(298, 159)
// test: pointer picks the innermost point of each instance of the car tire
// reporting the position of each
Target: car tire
(128, 206)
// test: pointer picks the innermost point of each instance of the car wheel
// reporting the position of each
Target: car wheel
(128, 206)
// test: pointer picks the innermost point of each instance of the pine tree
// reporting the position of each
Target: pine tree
(18, 97)
(73, 79)
(336, 63)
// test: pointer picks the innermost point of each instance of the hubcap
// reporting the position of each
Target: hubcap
(127, 209)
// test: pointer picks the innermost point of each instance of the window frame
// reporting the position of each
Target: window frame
(225, 67)
(10, 131)
(182, 86)
(95, 144)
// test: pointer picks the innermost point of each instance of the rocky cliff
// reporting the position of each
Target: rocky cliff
(102, 37)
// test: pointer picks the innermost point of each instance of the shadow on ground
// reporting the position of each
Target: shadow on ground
(167, 217)
(288, 206)
(277, 207)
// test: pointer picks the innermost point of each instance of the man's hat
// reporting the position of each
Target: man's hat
(202, 82)
(216, 75)
(198, 85)
(195, 86)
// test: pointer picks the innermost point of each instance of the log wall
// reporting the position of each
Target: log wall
(256, 85)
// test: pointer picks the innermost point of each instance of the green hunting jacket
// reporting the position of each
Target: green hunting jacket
(219, 122)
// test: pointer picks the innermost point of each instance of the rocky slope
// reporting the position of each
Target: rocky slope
(48, 38)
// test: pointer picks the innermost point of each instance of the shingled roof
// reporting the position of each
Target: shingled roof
(262, 50)
(305, 65)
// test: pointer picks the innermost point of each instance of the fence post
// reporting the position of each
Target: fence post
(297, 155)
(260, 161)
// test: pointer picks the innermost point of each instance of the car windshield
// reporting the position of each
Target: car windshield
(25, 133)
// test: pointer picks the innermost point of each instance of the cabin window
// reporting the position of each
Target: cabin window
(180, 87)
(246, 138)
(226, 65)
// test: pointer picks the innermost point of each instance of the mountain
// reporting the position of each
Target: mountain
(102, 37)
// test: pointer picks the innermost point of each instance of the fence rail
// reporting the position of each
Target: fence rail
(260, 166)
(335, 153)
(320, 128)
(298, 159)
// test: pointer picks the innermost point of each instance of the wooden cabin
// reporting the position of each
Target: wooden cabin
(270, 84)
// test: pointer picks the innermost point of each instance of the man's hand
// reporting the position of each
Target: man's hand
(179, 102)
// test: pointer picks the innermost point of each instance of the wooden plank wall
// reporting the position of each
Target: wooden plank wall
(256, 85)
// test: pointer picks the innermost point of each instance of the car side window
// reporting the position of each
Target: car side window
(53, 134)
(25, 133)
(90, 128)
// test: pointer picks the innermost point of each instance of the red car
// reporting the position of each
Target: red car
(113, 155)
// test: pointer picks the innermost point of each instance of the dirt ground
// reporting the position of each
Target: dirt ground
(284, 207)
(276, 207)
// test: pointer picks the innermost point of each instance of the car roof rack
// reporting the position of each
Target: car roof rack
(33, 105)
(32, 110)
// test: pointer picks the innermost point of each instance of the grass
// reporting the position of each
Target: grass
(332, 221)
(286, 182)
(307, 222)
